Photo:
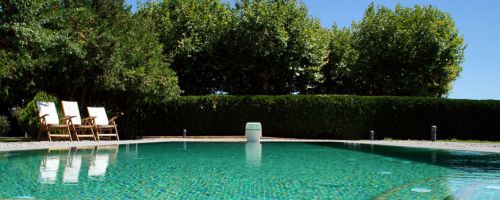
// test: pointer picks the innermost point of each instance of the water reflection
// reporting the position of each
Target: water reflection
(99, 158)
(72, 169)
(49, 167)
(253, 153)
(462, 174)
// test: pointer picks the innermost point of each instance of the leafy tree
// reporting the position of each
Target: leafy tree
(254, 47)
(191, 32)
(337, 76)
(403, 52)
(23, 46)
(90, 51)
(274, 47)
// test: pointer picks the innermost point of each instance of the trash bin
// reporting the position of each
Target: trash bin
(253, 131)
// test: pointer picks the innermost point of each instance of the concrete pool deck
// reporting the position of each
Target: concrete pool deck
(465, 146)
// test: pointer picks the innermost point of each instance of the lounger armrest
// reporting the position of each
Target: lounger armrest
(67, 119)
(87, 120)
(43, 120)
(112, 120)
(91, 119)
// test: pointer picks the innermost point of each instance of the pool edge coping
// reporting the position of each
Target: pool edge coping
(460, 146)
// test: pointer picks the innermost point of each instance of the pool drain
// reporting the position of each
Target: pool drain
(421, 190)
(493, 187)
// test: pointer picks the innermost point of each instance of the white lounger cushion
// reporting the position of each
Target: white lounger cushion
(70, 108)
(101, 118)
(49, 109)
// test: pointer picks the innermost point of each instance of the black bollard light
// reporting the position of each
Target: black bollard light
(434, 133)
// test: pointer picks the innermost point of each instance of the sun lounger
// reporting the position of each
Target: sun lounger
(49, 121)
(103, 126)
(81, 130)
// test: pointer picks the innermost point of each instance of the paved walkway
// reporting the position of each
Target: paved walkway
(480, 147)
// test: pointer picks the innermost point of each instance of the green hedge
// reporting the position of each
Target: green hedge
(320, 116)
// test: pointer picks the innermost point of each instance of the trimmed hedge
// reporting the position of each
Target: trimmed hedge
(320, 116)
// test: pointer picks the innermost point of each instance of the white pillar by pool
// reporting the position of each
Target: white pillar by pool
(253, 131)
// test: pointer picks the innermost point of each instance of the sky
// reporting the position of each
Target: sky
(477, 20)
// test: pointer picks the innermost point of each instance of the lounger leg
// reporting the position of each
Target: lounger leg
(93, 135)
(39, 133)
(116, 131)
(69, 133)
(76, 135)
(75, 132)
(48, 134)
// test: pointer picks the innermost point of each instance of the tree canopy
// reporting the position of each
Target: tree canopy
(99, 51)
(403, 52)
(90, 51)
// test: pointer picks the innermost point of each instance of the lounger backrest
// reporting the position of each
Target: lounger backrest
(49, 109)
(70, 108)
(101, 118)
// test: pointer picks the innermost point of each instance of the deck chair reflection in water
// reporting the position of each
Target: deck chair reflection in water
(49, 165)
(100, 161)
(48, 169)
(72, 169)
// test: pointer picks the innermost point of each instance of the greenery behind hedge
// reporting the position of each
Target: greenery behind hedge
(320, 116)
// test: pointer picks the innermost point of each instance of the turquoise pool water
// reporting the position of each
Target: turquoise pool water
(249, 171)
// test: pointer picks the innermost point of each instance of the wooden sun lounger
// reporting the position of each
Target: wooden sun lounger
(49, 121)
(80, 130)
(103, 126)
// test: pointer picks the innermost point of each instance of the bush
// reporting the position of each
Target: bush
(4, 125)
(321, 116)
(27, 116)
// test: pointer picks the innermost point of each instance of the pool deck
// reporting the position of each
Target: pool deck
(465, 146)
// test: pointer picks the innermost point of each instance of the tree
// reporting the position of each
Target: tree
(402, 52)
(337, 76)
(191, 32)
(23, 45)
(274, 47)
(90, 51)
(255, 47)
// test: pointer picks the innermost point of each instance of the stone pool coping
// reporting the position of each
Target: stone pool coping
(465, 146)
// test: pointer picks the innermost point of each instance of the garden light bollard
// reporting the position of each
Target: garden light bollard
(184, 133)
(372, 135)
(434, 133)
(253, 131)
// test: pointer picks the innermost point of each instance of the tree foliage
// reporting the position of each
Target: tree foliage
(402, 52)
(90, 51)
(275, 47)
(253, 47)
(191, 32)
(99, 52)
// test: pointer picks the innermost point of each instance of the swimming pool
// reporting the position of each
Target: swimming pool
(178, 170)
